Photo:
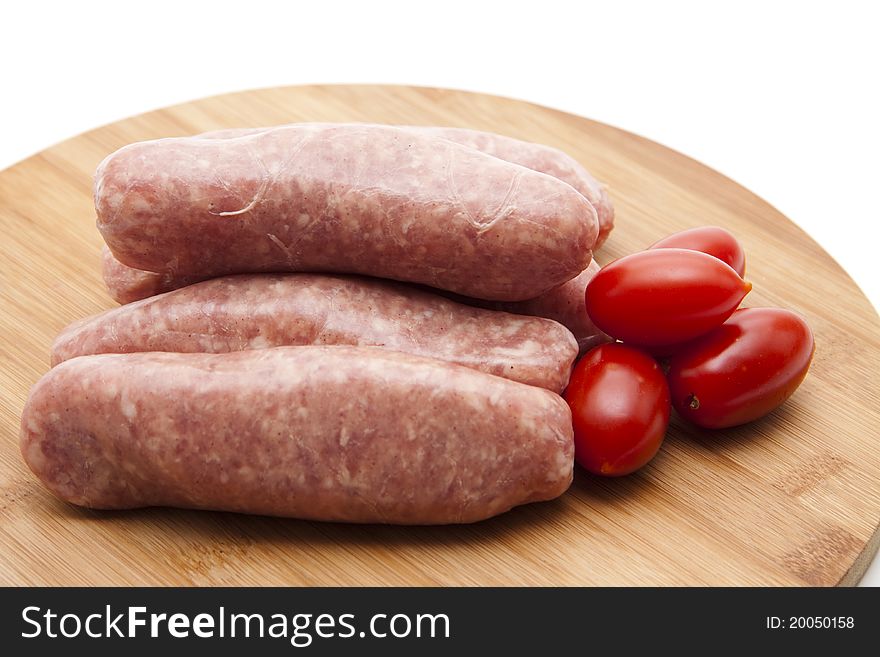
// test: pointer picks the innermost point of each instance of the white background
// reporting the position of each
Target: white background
(783, 97)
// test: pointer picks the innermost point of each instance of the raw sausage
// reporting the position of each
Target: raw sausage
(538, 157)
(563, 304)
(352, 198)
(355, 434)
(258, 311)
(126, 284)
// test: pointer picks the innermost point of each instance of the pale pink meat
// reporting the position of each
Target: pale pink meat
(565, 304)
(352, 198)
(355, 434)
(538, 157)
(258, 311)
(126, 284)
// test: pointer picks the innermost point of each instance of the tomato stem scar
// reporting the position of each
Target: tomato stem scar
(693, 402)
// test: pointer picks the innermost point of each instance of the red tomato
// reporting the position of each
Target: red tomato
(714, 240)
(620, 408)
(663, 296)
(742, 370)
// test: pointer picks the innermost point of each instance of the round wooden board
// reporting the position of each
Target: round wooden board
(793, 499)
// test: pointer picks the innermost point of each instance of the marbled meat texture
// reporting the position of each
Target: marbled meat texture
(350, 198)
(258, 311)
(565, 304)
(546, 159)
(126, 284)
(355, 434)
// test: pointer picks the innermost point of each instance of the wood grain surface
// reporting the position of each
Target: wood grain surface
(793, 499)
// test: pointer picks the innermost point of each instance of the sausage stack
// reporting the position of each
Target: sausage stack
(341, 322)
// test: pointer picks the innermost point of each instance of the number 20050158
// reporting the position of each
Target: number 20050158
(810, 623)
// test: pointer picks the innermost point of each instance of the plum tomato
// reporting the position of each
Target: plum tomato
(620, 409)
(663, 296)
(714, 240)
(741, 370)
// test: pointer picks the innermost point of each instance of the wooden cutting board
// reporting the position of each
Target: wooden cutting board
(793, 499)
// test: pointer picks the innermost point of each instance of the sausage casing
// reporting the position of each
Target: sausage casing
(355, 434)
(344, 198)
(537, 157)
(257, 311)
(563, 304)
